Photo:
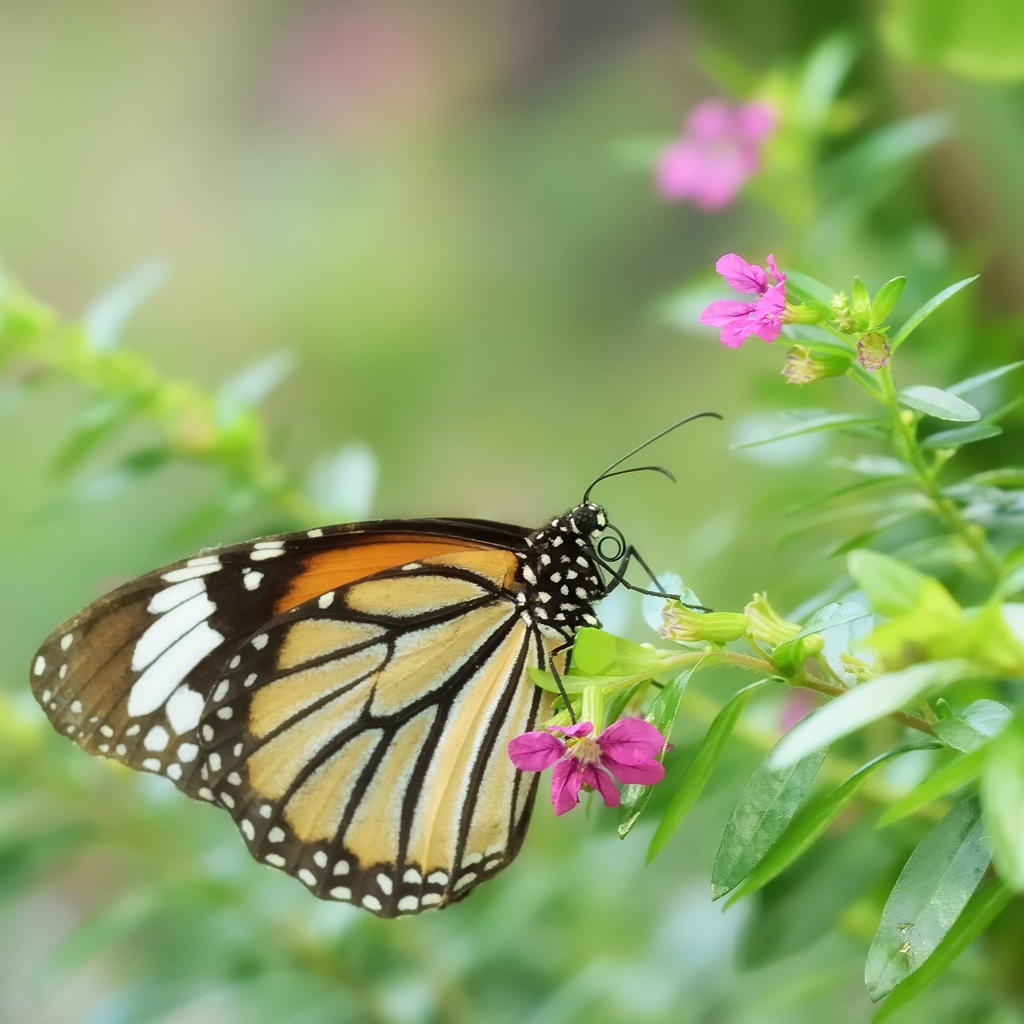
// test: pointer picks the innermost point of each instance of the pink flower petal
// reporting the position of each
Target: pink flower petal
(597, 779)
(535, 751)
(645, 774)
(725, 311)
(741, 275)
(679, 171)
(774, 270)
(772, 303)
(756, 121)
(631, 741)
(579, 729)
(566, 779)
(733, 335)
(712, 121)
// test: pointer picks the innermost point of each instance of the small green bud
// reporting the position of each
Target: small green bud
(766, 624)
(593, 707)
(844, 318)
(800, 315)
(802, 366)
(873, 350)
(682, 624)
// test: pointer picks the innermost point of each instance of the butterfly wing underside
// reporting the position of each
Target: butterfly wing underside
(360, 739)
(423, 671)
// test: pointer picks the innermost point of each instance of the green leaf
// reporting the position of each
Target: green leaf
(805, 288)
(938, 403)
(948, 778)
(700, 768)
(764, 810)
(1012, 584)
(574, 681)
(837, 614)
(1005, 476)
(811, 425)
(662, 716)
(978, 39)
(805, 902)
(597, 653)
(984, 907)
(887, 297)
(867, 703)
(891, 586)
(106, 317)
(810, 824)
(961, 436)
(933, 888)
(616, 703)
(928, 308)
(982, 378)
(1002, 787)
(860, 297)
(979, 723)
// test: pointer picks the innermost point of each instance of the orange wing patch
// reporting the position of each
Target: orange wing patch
(329, 570)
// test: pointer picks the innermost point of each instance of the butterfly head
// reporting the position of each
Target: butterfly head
(588, 520)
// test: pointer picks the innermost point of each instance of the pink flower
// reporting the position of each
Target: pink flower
(718, 152)
(739, 320)
(627, 749)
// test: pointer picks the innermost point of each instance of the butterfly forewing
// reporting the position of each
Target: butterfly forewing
(360, 739)
(129, 676)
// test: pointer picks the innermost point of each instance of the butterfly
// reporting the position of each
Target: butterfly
(346, 693)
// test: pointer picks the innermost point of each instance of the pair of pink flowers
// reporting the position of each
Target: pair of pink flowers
(719, 151)
(627, 749)
(761, 316)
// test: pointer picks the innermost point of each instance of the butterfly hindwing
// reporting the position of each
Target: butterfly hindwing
(129, 677)
(359, 740)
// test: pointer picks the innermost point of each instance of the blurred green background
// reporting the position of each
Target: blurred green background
(443, 211)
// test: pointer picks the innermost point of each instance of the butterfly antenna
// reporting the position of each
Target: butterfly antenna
(639, 469)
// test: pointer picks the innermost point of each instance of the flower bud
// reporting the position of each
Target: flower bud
(802, 366)
(843, 318)
(766, 624)
(593, 707)
(680, 623)
(800, 315)
(873, 351)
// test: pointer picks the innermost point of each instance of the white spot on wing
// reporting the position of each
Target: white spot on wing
(326, 600)
(430, 898)
(174, 771)
(252, 580)
(221, 691)
(276, 835)
(190, 572)
(170, 628)
(412, 876)
(307, 876)
(151, 764)
(156, 739)
(385, 884)
(320, 859)
(314, 533)
(170, 597)
(66, 641)
(259, 642)
(371, 903)
(247, 829)
(275, 859)
(157, 683)
(408, 903)
(466, 880)
(40, 666)
(339, 892)
(438, 878)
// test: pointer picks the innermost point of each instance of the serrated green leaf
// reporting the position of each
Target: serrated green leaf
(1002, 787)
(979, 380)
(597, 653)
(808, 826)
(984, 907)
(961, 435)
(927, 309)
(887, 297)
(869, 702)
(662, 716)
(938, 403)
(933, 888)
(948, 778)
(812, 425)
(891, 586)
(702, 765)
(762, 813)
(974, 726)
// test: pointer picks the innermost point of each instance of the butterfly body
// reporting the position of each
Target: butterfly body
(347, 693)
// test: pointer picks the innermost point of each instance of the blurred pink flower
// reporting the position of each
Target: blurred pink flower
(720, 149)
(627, 749)
(739, 320)
(799, 704)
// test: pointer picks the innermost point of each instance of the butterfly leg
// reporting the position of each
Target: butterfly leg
(567, 646)
(619, 578)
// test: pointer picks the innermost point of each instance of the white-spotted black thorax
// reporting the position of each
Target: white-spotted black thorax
(561, 573)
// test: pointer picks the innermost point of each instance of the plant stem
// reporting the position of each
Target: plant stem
(944, 509)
